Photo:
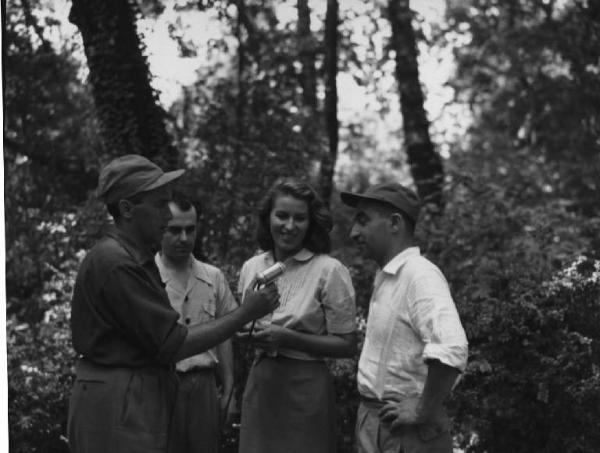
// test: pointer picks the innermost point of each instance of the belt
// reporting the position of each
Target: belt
(193, 370)
(84, 366)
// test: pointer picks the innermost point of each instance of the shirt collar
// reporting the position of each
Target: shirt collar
(400, 259)
(302, 255)
(198, 270)
(139, 254)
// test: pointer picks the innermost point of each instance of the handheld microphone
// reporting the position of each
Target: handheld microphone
(271, 273)
(264, 278)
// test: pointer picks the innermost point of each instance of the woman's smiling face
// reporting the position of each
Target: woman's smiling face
(289, 222)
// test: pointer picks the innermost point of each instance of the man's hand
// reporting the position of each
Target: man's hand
(259, 303)
(405, 412)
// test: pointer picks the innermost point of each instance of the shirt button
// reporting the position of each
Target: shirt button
(187, 320)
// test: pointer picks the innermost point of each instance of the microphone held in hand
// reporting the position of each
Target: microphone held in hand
(264, 278)
(271, 273)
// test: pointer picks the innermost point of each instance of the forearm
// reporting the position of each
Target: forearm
(202, 337)
(438, 385)
(225, 366)
(336, 346)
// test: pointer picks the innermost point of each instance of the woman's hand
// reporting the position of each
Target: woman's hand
(271, 337)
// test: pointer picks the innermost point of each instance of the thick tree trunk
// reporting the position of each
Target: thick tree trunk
(331, 121)
(425, 164)
(130, 117)
(307, 57)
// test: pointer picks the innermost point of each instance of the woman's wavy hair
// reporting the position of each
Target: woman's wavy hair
(320, 221)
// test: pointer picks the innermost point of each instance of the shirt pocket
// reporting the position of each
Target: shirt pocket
(207, 311)
(202, 308)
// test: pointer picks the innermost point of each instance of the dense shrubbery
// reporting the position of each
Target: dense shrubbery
(533, 383)
(529, 313)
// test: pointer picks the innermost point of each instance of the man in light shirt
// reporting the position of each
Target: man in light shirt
(200, 293)
(415, 346)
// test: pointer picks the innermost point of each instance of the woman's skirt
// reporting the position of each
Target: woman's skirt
(288, 407)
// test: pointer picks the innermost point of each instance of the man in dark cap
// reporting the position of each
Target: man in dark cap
(415, 346)
(124, 330)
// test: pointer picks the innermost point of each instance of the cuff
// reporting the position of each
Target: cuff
(170, 347)
(451, 355)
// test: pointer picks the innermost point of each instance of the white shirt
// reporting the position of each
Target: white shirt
(412, 318)
(205, 297)
(316, 296)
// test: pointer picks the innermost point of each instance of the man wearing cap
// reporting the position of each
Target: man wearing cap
(200, 293)
(415, 346)
(123, 328)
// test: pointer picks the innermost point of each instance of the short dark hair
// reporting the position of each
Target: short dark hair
(389, 209)
(184, 203)
(320, 221)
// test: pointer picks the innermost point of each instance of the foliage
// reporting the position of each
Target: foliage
(528, 69)
(531, 358)
(241, 126)
(523, 190)
(50, 160)
(50, 146)
(40, 371)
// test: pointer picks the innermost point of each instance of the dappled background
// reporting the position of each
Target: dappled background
(490, 109)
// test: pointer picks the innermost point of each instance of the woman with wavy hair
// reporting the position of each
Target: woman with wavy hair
(289, 403)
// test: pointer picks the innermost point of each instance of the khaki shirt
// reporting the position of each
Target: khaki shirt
(206, 297)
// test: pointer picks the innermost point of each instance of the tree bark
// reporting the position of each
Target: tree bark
(425, 163)
(331, 120)
(130, 118)
(307, 57)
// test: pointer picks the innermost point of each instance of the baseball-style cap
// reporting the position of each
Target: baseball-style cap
(129, 175)
(394, 194)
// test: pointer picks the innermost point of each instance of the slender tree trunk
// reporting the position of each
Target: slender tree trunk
(307, 57)
(425, 164)
(331, 121)
(130, 118)
(244, 21)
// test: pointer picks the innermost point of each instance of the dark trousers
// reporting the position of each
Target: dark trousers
(195, 426)
(120, 410)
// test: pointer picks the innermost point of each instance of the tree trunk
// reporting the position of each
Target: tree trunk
(307, 57)
(130, 118)
(425, 164)
(331, 121)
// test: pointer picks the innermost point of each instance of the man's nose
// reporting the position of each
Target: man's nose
(354, 233)
(183, 236)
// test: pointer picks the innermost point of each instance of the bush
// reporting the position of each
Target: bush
(40, 372)
(533, 382)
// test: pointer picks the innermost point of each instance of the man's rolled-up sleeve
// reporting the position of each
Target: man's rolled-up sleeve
(436, 320)
(141, 310)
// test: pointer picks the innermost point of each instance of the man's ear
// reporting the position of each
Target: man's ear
(397, 223)
(125, 208)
